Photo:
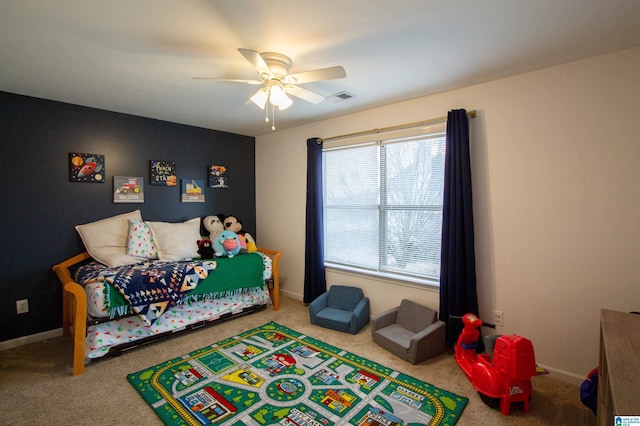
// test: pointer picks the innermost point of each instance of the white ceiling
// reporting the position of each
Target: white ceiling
(139, 56)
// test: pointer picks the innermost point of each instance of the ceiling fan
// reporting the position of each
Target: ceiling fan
(273, 71)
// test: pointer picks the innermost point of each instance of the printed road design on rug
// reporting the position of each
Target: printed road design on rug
(275, 375)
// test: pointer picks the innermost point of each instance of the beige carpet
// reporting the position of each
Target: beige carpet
(36, 386)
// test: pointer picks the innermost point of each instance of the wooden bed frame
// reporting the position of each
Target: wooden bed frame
(74, 305)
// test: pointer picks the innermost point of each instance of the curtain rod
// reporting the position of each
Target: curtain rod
(470, 114)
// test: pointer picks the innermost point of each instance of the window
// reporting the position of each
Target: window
(383, 206)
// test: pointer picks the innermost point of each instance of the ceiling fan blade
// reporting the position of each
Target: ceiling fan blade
(232, 80)
(304, 94)
(330, 73)
(256, 60)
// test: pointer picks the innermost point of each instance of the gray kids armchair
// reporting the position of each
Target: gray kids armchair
(341, 308)
(410, 331)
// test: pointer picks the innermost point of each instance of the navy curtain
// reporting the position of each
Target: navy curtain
(458, 294)
(314, 279)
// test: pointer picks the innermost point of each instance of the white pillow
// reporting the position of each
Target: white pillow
(176, 241)
(106, 240)
(140, 241)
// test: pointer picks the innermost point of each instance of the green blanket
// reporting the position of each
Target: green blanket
(231, 275)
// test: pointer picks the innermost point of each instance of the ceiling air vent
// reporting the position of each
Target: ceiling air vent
(339, 97)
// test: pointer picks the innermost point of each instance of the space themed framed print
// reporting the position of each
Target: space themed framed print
(86, 167)
(163, 173)
(218, 176)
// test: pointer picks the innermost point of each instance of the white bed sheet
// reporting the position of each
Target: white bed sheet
(101, 337)
(96, 306)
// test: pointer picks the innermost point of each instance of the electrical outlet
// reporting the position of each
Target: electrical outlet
(497, 318)
(22, 306)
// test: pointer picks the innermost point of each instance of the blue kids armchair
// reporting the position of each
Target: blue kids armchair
(341, 308)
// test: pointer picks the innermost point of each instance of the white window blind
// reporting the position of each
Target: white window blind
(383, 204)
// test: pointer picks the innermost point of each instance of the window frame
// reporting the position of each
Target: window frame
(434, 130)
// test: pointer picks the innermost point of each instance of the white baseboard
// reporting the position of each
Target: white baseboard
(556, 373)
(565, 376)
(32, 338)
(292, 295)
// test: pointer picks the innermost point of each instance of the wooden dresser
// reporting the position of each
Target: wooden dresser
(619, 369)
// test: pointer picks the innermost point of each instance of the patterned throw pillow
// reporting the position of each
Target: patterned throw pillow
(140, 242)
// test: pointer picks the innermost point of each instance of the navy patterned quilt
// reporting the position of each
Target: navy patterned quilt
(150, 288)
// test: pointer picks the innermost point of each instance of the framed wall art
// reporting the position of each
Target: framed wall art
(86, 167)
(192, 191)
(218, 176)
(127, 189)
(163, 173)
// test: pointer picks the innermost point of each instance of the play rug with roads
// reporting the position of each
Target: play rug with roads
(274, 375)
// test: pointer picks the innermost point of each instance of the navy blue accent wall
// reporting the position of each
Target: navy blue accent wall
(40, 206)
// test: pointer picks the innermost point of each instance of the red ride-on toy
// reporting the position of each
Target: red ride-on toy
(501, 376)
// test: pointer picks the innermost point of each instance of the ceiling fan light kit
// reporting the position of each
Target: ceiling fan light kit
(260, 97)
(273, 69)
(275, 94)
(278, 98)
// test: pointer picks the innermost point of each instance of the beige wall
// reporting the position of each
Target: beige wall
(556, 181)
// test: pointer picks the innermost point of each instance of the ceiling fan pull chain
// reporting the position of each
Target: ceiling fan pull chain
(273, 115)
(266, 105)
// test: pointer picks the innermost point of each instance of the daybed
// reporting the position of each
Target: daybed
(106, 319)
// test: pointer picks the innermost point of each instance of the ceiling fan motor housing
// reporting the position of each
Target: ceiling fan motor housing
(278, 63)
